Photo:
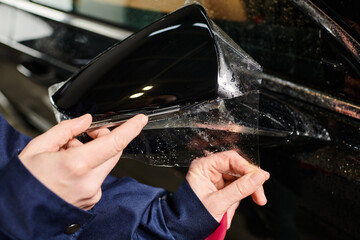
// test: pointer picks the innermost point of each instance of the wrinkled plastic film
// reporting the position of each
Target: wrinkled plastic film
(210, 127)
(59, 116)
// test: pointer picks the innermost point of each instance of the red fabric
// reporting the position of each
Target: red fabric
(220, 232)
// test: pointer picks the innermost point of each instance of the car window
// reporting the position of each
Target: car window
(65, 5)
(287, 42)
(132, 15)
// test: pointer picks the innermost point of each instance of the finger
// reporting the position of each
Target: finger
(230, 213)
(236, 165)
(62, 133)
(98, 133)
(259, 196)
(73, 143)
(103, 170)
(229, 177)
(101, 149)
(230, 162)
(241, 188)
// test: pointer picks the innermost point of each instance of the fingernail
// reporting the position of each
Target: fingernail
(258, 178)
(144, 119)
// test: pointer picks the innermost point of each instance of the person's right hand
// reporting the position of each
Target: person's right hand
(76, 171)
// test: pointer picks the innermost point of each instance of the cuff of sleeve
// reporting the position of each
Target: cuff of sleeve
(192, 214)
(30, 210)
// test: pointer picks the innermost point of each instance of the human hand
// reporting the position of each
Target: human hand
(71, 169)
(222, 180)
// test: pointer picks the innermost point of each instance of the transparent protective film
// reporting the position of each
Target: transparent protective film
(176, 135)
(208, 127)
(227, 123)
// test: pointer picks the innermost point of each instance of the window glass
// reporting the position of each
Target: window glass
(65, 5)
(132, 14)
(136, 14)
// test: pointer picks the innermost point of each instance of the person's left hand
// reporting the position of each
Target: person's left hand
(223, 179)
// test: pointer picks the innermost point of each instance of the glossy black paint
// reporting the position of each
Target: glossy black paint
(345, 13)
(171, 62)
(315, 190)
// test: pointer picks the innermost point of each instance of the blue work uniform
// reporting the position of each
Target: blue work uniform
(127, 209)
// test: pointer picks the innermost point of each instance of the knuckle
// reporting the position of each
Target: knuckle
(75, 167)
(196, 163)
(232, 154)
(227, 155)
(64, 123)
(242, 190)
(65, 127)
(118, 143)
(68, 165)
(80, 169)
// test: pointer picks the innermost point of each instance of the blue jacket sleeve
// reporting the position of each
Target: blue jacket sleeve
(127, 209)
(28, 210)
(131, 210)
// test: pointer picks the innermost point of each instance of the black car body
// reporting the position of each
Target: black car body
(310, 54)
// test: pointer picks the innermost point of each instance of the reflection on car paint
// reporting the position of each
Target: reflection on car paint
(318, 98)
(332, 27)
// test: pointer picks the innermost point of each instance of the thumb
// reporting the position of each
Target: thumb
(62, 133)
(241, 188)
